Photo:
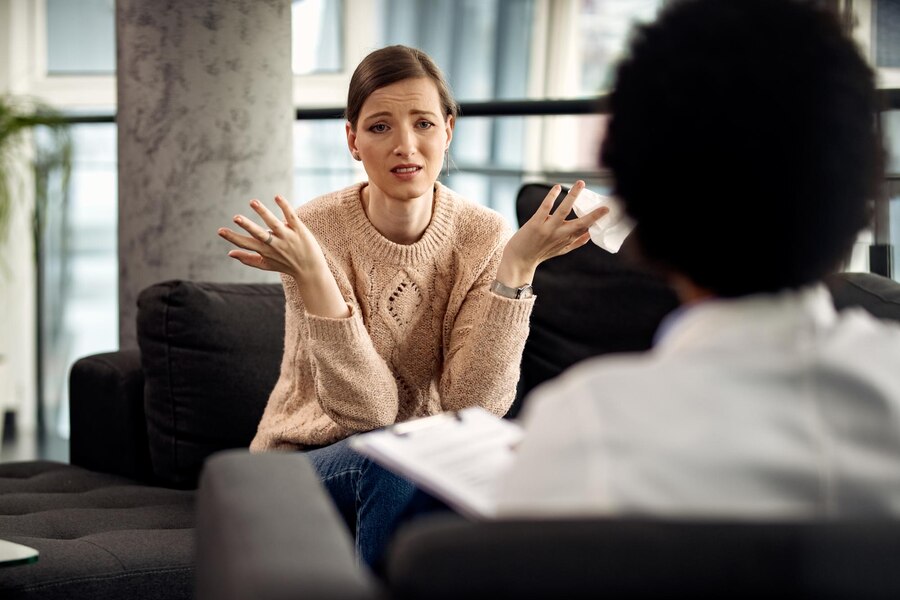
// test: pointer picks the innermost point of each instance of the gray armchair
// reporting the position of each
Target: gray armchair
(267, 531)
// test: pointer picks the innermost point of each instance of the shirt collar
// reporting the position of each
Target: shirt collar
(715, 318)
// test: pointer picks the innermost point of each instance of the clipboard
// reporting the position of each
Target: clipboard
(458, 457)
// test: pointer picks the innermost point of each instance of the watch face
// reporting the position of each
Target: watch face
(519, 293)
(524, 292)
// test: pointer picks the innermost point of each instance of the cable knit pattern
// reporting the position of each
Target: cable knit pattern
(425, 334)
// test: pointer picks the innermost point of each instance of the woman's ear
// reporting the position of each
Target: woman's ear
(449, 125)
(351, 141)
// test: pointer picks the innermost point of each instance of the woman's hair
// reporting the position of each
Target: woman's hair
(743, 139)
(389, 65)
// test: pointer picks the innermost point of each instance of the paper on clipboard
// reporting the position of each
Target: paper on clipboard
(457, 457)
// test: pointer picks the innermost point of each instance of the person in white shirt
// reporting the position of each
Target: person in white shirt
(743, 140)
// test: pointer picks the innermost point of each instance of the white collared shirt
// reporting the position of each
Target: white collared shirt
(760, 407)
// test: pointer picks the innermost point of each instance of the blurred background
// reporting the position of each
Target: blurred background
(517, 67)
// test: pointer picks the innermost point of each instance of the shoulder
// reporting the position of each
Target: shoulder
(860, 336)
(609, 371)
(621, 388)
(475, 226)
(330, 204)
(330, 214)
(615, 375)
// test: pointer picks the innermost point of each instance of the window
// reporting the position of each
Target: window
(603, 30)
(79, 268)
(69, 50)
(886, 21)
(316, 36)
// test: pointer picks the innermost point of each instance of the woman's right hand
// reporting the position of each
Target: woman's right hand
(288, 247)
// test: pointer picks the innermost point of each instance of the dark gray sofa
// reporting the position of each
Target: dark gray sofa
(118, 522)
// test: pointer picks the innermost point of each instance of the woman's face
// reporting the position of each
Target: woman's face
(401, 137)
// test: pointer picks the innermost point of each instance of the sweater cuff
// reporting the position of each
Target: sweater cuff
(507, 310)
(326, 329)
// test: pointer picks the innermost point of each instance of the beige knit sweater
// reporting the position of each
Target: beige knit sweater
(425, 334)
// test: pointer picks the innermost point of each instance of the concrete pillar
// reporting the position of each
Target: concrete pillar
(204, 124)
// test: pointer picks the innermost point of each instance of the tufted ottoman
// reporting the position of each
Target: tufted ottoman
(100, 536)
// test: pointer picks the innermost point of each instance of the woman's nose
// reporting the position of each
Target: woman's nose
(406, 142)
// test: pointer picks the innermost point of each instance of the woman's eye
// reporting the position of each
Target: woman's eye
(424, 124)
(378, 128)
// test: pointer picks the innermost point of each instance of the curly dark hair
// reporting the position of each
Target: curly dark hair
(743, 139)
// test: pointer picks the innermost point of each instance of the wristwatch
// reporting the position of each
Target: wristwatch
(520, 293)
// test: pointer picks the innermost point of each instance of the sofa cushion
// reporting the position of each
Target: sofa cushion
(210, 354)
(106, 415)
(589, 302)
(99, 535)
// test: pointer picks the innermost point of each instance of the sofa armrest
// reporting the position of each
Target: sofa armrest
(267, 530)
(442, 558)
(106, 415)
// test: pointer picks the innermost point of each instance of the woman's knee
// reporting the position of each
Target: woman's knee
(336, 459)
(381, 485)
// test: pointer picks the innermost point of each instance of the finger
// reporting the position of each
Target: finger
(592, 217)
(258, 233)
(547, 203)
(251, 259)
(268, 217)
(565, 207)
(290, 216)
(242, 241)
(580, 241)
(255, 260)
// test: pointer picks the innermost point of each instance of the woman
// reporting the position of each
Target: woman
(402, 298)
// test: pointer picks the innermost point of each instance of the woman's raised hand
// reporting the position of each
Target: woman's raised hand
(545, 235)
(288, 246)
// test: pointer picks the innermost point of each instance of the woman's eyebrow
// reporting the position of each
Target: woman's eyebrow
(415, 111)
(426, 113)
(377, 115)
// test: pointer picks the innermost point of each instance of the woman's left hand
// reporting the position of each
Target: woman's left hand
(545, 235)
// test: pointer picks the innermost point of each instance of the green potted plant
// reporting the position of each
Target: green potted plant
(51, 161)
(17, 117)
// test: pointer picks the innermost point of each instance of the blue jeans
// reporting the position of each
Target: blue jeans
(371, 499)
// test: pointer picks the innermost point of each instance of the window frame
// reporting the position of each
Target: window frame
(30, 48)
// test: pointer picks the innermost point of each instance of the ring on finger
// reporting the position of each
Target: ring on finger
(268, 239)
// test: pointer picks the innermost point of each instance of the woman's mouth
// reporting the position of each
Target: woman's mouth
(406, 171)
